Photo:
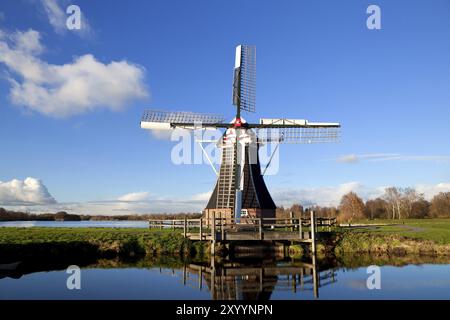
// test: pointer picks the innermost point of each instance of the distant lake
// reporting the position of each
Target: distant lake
(76, 224)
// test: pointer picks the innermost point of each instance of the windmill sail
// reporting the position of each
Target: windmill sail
(244, 83)
(160, 119)
(296, 131)
(297, 135)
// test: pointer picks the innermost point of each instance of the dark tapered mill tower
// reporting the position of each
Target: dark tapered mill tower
(240, 190)
(254, 198)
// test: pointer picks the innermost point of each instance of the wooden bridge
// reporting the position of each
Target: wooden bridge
(226, 230)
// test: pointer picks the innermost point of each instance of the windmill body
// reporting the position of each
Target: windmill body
(240, 190)
(240, 183)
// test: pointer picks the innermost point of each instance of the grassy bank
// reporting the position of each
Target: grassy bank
(410, 236)
(436, 230)
(417, 237)
(378, 243)
(20, 243)
(429, 237)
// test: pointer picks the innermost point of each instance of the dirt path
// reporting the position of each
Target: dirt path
(414, 229)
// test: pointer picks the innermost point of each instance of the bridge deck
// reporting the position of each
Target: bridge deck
(257, 229)
(252, 235)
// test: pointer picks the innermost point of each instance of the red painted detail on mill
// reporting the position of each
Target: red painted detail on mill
(238, 122)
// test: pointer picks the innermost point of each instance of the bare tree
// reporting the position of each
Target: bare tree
(393, 196)
(297, 210)
(420, 209)
(376, 208)
(409, 197)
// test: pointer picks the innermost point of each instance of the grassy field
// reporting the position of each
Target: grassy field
(437, 230)
(92, 241)
(427, 236)
(43, 234)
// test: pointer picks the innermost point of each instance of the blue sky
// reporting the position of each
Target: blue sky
(317, 60)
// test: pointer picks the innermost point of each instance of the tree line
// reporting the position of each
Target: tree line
(9, 215)
(395, 203)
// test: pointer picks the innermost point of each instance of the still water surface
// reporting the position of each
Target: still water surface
(242, 280)
(273, 280)
(76, 224)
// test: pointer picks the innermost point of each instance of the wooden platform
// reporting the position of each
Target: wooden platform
(226, 230)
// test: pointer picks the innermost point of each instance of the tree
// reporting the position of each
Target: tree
(64, 216)
(297, 210)
(279, 212)
(61, 216)
(420, 209)
(376, 209)
(440, 205)
(326, 212)
(351, 207)
(393, 197)
(409, 197)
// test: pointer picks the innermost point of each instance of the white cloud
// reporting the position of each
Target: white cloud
(135, 196)
(430, 191)
(57, 16)
(144, 202)
(202, 196)
(81, 86)
(30, 191)
(331, 195)
(354, 158)
(119, 207)
(28, 42)
(436, 159)
(350, 158)
(323, 196)
(131, 203)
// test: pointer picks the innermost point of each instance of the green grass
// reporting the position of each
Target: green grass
(41, 235)
(437, 230)
(102, 240)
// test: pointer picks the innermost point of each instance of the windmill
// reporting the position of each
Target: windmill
(240, 190)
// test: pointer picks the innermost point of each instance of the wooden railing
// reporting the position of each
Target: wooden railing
(207, 227)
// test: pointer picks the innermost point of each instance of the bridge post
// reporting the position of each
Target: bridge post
(213, 278)
(222, 230)
(313, 232)
(294, 283)
(213, 235)
(201, 229)
(300, 228)
(260, 229)
(316, 277)
(291, 215)
(185, 226)
(200, 278)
